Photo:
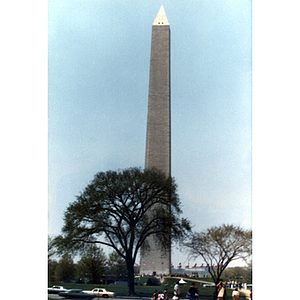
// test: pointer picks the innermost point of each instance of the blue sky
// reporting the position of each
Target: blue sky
(99, 55)
(24, 129)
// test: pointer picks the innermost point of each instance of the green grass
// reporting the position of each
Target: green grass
(147, 291)
(120, 290)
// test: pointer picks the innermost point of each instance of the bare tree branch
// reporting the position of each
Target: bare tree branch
(220, 246)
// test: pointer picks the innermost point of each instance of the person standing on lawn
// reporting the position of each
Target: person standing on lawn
(176, 291)
(235, 294)
(193, 292)
(221, 290)
(155, 295)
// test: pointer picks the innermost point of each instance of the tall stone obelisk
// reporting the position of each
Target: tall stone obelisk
(158, 139)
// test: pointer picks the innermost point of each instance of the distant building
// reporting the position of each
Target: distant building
(197, 271)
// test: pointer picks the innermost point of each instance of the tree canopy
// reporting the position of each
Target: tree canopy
(120, 209)
(117, 266)
(219, 246)
(91, 264)
(65, 268)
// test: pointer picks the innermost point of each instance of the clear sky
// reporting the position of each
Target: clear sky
(23, 118)
(99, 58)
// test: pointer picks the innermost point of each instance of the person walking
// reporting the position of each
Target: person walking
(221, 290)
(176, 291)
(155, 295)
(236, 294)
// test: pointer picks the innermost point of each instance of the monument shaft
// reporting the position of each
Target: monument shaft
(158, 139)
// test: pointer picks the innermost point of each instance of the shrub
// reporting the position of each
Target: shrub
(153, 281)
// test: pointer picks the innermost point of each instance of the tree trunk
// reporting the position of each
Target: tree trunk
(130, 268)
(215, 294)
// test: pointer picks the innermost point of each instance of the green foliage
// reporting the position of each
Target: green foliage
(153, 281)
(91, 264)
(239, 272)
(51, 262)
(117, 266)
(51, 270)
(65, 268)
(51, 247)
(114, 208)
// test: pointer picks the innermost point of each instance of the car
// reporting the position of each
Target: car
(76, 294)
(100, 292)
(56, 289)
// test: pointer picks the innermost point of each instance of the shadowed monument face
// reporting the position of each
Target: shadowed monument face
(158, 139)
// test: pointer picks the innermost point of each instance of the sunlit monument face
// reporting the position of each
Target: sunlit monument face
(158, 140)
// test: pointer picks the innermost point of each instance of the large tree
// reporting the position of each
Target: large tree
(65, 268)
(120, 209)
(117, 265)
(219, 246)
(51, 247)
(51, 262)
(92, 264)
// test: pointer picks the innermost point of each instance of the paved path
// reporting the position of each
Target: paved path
(191, 279)
(246, 292)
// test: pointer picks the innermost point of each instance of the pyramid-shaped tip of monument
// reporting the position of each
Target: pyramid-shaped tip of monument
(161, 18)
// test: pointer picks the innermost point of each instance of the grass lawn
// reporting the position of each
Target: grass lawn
(147, 291)
(142, 291)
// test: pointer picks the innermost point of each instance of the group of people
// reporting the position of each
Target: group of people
(160, 295)
(220, 293)
(235, 284)
(193, 293)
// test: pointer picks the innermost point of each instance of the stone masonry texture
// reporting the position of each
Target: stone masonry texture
(158, 139)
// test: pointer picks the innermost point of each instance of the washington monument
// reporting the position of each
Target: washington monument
(158, 139)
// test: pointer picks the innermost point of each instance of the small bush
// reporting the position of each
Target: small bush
(153, 281)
